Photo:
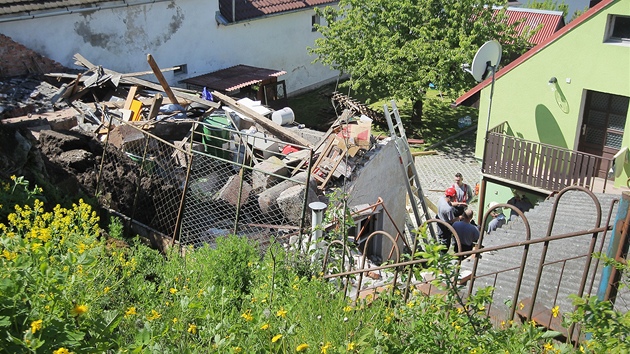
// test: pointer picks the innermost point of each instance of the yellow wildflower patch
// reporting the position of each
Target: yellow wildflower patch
(36, 326)
(192, 328)
(281, 313)
(302, 347)
(276, 338)
(79, 310)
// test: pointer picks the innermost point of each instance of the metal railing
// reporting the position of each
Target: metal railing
(540, 165)
(519, 282)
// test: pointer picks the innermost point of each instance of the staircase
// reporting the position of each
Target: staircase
(563, 270)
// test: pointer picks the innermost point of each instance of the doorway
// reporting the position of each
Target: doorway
(603, 126)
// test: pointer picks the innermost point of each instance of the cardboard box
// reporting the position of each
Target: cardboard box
(356, 134)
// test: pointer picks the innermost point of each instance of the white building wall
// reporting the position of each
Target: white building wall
(182, 32)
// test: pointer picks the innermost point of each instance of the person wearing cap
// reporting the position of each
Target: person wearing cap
(446, 212)
(498, 219)
(465, 194)
(468, 233)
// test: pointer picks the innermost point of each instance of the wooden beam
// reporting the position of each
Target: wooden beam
(161, 79)
(80, 60)
(155, 106)
(130, 97)
(268, 124)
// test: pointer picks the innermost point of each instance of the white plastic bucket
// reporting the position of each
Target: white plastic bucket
(283, 117)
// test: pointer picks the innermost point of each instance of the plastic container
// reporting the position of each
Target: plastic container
(283, 117)
(216, 135)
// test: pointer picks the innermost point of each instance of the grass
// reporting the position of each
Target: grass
(439, 120)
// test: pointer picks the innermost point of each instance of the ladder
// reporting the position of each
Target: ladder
(397, 132)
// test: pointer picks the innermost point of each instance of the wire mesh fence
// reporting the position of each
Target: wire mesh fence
(142, 176)
(244, 183)
(218, 181)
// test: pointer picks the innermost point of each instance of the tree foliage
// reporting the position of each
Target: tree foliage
(549, 5)
(396, 48)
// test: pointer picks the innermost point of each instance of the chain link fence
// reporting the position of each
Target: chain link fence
(244, 183)
(218, 181)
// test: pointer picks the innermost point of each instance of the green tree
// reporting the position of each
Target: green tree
(549, 5)
(396, 48)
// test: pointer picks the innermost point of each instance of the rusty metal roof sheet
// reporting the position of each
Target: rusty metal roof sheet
(245, 10)
(233, 78)
(551, 21)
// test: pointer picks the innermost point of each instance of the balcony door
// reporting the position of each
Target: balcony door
(603, 125)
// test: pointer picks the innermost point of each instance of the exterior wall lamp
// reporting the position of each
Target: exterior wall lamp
(552, 83)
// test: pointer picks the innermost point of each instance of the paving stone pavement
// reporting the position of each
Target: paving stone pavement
(437, 172)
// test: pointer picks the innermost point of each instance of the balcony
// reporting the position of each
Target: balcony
(541, 167)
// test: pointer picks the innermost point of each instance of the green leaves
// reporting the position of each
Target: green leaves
(396, 48)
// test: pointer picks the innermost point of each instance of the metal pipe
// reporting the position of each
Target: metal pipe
(317, 209)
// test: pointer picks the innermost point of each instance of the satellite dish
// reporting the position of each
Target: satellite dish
(488, 56)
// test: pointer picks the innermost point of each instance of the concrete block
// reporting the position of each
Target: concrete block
(265, 173)
(291, 202)
(268, 199)
(229, 192)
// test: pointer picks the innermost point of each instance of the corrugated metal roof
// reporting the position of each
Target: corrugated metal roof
(550, 22)
(469, 96)
(233, 78)
(245, 10)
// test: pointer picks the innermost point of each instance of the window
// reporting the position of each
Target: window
(618, 29)
(315, 20)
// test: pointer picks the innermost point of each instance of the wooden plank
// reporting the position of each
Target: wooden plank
(155, 106)
(574, 169)
(161, 79)
(531, 157)
(272, 127)
(541, 175)
(80, 60)
(130, 97)
(508, 162)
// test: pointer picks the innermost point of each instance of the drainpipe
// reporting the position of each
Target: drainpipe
(317, 209)
(233, 11)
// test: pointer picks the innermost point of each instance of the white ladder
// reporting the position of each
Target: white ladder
(397, 132)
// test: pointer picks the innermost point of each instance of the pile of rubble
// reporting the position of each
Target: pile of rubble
(68, 111)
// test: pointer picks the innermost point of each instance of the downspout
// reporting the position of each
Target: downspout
(233, 11)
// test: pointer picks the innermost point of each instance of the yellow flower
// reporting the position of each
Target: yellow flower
(154, 315)
(265, 326)
(276, 338)
(192, 328)
(237, 350)
(78, 310)
(36, 325)
(281, 313)
(555, 311)
(302, 347)
(174, 320)
(172, 290)
(521, 305)
(347, 309)
(107, 289)
(247, 315)
(324, 348)
(547, 347)
(61, 351)
(130, 312)
(351, 346)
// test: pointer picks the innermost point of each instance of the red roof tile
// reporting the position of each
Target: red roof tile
(469, 97)
(248, 9)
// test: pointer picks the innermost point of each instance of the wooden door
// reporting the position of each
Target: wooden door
(603, 126)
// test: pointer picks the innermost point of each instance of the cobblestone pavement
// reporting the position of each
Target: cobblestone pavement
(437, 172)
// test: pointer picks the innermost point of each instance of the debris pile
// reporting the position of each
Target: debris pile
(168, 156)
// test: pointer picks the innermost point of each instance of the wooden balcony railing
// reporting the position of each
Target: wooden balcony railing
(542, 166)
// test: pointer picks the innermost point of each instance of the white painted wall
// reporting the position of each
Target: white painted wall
(176, 32)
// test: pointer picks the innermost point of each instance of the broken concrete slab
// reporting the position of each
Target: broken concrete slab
(229, 192)
(266, 173)
(59, 120)
(291, 202)
(124, 134)
(268, 199)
